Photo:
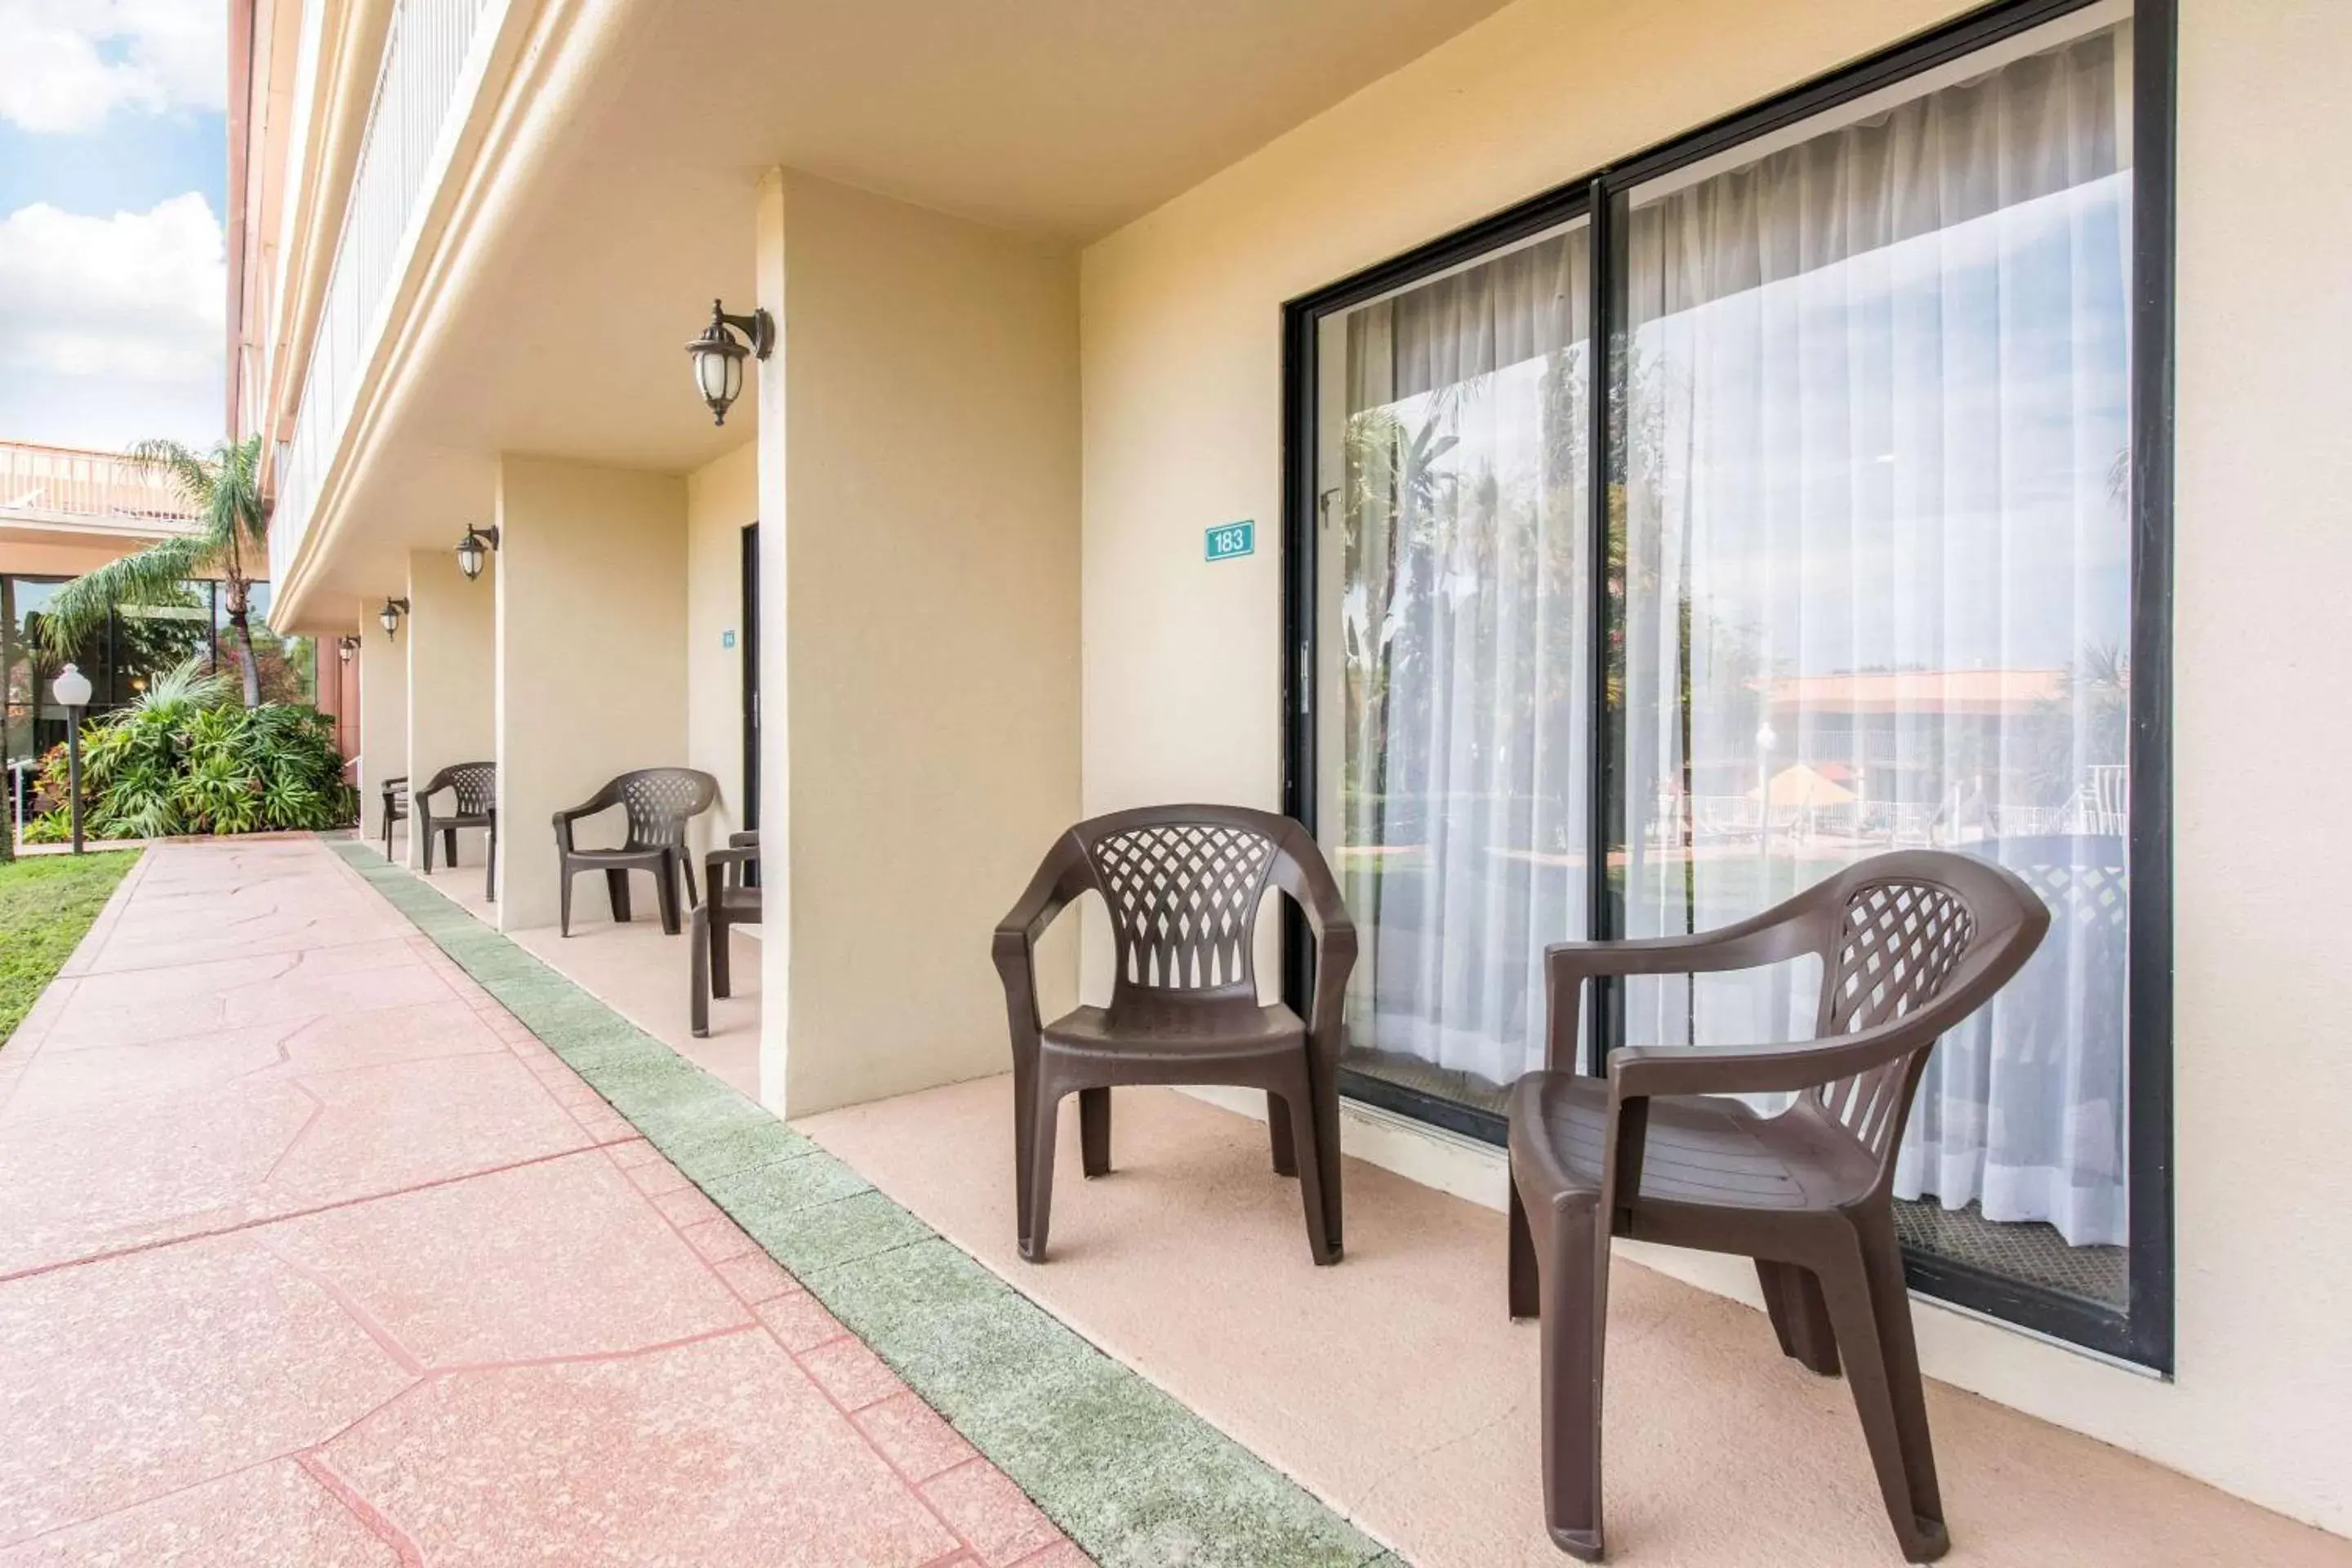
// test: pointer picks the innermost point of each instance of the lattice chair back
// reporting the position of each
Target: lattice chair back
(1183, 890)
(475, 786)
(661, 801)
(1896, 941)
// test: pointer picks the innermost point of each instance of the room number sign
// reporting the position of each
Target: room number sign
(1229, 540)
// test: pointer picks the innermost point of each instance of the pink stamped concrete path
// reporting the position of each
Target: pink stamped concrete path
(310, 1254)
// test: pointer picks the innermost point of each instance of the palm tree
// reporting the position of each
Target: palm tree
(231, 539)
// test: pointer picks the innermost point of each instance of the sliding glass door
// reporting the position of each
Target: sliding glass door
(1877, 382)
(1453, 505)
(1869, 579)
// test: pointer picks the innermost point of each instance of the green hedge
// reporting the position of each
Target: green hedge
(186, 759)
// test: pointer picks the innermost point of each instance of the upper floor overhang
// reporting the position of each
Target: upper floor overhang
(546, 194)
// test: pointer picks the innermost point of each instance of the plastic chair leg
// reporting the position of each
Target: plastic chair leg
(1037, 1170)
(1094, 1131)
(1575, 1322)
(1800, 1318)
(698, 999)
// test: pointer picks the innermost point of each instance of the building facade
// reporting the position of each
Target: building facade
(1600, 466)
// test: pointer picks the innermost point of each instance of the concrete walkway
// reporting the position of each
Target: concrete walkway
(311, 1254)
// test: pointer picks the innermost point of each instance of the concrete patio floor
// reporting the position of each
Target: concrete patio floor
(637, 970)
(310, 1253)
(1394, 1388)
(1720, 1451)
(313, 1252)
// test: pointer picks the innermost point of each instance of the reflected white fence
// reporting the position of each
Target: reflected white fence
(2100, 806)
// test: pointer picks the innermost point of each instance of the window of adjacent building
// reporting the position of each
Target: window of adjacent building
(136, 643)
(1865, 582)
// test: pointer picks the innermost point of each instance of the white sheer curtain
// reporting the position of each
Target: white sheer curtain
(1463, 523)
(1879, 578)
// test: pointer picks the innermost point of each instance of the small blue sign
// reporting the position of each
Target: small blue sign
(1233, 539)
(726, 640)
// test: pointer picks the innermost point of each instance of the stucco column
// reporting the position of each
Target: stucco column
(450, 633)
(589, 659)
(383, 717)
(775, 669)
(919, 633)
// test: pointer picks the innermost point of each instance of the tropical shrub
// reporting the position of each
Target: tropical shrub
(186, 759)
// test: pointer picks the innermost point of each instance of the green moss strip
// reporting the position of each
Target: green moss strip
(46, 904)
(1127, 1472)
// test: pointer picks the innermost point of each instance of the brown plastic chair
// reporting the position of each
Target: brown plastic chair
(732, 902)
(1910, 945)
(396, 808)
(1183, 884)
(476, 787)
(660, 802)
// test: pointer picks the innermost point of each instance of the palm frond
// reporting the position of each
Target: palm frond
(187, 682)
(237, 489)
(154, 575)
(191, 472)
(223, 486)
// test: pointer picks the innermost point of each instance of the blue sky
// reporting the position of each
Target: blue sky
(113, 169)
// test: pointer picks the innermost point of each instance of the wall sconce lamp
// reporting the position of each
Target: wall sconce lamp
(345, 648)
(474, 550)
(718, 355)
(389, 616)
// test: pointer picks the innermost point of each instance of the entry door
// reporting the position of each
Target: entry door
(751, 652)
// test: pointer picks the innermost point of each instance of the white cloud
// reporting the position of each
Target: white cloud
(68, 64)
(108, 320)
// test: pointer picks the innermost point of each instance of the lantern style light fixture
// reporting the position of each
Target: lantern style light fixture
(718, 356)
(345, 648)
(389, 616)
(474, 551)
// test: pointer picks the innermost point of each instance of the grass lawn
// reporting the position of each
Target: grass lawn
(47, 901)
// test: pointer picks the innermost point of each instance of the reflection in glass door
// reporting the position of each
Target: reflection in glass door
(1878, 592)
(1452, 543)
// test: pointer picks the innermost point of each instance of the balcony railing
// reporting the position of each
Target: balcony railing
(403, 150)
(67, 486)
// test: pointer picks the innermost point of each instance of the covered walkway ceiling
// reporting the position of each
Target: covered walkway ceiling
(1063, 119)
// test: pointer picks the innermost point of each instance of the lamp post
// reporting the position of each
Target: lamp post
(72, 692)
(1765, 740)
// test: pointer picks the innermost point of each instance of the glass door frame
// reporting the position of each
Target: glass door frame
(2143, 1333)
(748, 657)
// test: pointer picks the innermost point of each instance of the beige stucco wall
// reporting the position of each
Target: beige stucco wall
(383, 717)
(47, 557)
(2263, 531)
(590, 653)
(450, 635)
(1182, 377)
(918, 433)
(721, 498)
